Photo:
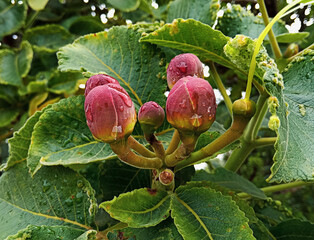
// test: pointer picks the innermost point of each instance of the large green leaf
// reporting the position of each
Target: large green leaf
(116, 177)
(138, 67)
(194, 37)
(294, 230)
(231, 180)
(84, 25)
(237, 20)
(54, 196)
(203, 213)
(201, 10)
(88, 235)
(46, 232)
(8, 93)
(62, 137)
(14, 65)
(48, 38)
(20, 143)
(12, 16)
(294, 147)
(125, 5)
(140, 208)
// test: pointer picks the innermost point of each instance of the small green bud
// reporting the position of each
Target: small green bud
(244, 108)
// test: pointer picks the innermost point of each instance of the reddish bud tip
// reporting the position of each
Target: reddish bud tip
(183, 65)
(97, 80)
(109, 112)
(166, 177)
(151, 116)
(191, 105)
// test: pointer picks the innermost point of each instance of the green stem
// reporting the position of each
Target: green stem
(279, 187)
(271, 35)
(261, 142)
(238, 156)
(220, 86)
(31, 20)
(156, 145)
(258, 44)
(125, 154)
(261, 108)
(228, 137)
(173, 145)
(139, 148)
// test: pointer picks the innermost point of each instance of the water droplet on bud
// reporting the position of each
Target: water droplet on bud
(89, 115)
(183, 104)
(182, 66)
(121, 108)
(196, 120)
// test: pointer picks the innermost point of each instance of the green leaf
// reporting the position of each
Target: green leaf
(46, 232)
(14, 65)
(140, 208)
(20, 143)
(231, 180)
(62, 137)
(240, 50)
(7, 116)
(201, 10)
(236, 20)
(202, 213)
(85, 24)
(37, 5)
(125, 5)
(138, 67)
(12, 16)
(48, 38)
(292, 37)
(89, 235)
(194, 37)
(294, 229)
(293, 159)
(166, 230)
(64, 82)
(54, 196)
(116, 177)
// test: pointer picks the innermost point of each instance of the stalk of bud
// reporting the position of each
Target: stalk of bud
(151, 116)
(186, 64)
(110, 112)
(98, 80)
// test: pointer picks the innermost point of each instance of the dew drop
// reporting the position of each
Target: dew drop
(88, 113)
(182, 67)
(203, 104)
(121, 108)
(155, 105)
(126, 99)
(196, 120)
(79, 183)
(209, 108)
(183, 104)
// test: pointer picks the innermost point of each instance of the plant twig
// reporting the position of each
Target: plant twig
(220, 86)
(139, 148)
(279, 187)
(271, 35)
(261, 142)
(174, 143)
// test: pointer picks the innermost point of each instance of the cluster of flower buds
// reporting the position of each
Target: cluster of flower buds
(190, 107)
(191, 104)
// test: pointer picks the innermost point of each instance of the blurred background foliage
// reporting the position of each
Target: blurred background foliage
(31, 32)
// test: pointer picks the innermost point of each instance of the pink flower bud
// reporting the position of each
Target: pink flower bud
(110, 112)
(97, 80)
(191, 105)
(183, 65)
(151, 116)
